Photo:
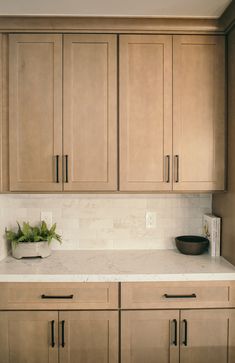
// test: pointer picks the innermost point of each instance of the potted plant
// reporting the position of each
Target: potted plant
(31, 241)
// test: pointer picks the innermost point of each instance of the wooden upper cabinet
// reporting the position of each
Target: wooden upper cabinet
(199, 112)
(145, 112)
(90, 112)
(35, 111)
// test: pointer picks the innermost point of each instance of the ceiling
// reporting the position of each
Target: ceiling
(153, 8)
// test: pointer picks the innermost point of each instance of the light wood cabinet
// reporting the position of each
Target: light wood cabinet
(150, 159)
(195, 336)
(89, 337)
(79, 153)
(28, 337)
(150, 336)
(207, 336)
(199, 112)
(90, 112)
(145, 112)
(35, 111)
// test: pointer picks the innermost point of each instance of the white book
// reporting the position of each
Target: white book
(211, 230)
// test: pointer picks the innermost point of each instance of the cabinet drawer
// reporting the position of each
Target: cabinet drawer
(58, 296)
(175, 295)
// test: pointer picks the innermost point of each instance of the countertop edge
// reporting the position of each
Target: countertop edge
(118, 277)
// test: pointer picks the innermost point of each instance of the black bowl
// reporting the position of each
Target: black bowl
(192, 245)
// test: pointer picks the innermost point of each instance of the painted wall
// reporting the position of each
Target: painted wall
(108, 221)
(224, 204)
(168, 8)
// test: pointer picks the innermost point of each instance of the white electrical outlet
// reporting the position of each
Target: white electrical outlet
(150, 220)
(47, 217)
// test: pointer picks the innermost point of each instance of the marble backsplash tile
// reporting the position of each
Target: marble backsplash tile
(106, 221)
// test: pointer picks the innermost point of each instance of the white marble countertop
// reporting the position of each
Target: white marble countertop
(115, 265)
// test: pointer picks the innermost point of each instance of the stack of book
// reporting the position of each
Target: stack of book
(211, 230)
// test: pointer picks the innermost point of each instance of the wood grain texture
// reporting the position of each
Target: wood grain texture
(90, 112)
(207, 336)
(90, 337)
(150, 295)
(145, 112)
(85, 296)
(35, 104)
(26, 337)
(147, 336)
(107, 24)
(224, 204)
(199, 112)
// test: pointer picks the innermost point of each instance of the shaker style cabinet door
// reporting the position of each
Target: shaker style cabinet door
(207, 336)
(28, 336)
(145, 112)
(88, 337)
(199, 112)
(150, 336)
(90, 112)
(35, 112)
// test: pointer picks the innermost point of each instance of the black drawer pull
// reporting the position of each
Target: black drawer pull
(53, 333)
(57, 296)
(191, 296)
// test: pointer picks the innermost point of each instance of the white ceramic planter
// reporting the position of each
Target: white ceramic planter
(31, 249)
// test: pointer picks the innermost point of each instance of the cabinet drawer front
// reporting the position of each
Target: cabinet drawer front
(59, 296)
(175, 295)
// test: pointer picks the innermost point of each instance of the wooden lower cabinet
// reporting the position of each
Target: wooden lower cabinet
(150, 336)
(182, 336)
(65, 337)
(207, 336)
(89, 337)
(26, 337)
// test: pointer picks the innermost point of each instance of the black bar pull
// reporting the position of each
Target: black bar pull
(62, 337)
(53, 333)
(176, 168)
(167, 169)
(190, 296)
(66, 169)
(185, 341)
(57, 168)
(175, 340)
(56, 296)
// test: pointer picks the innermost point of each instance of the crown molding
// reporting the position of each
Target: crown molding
(68, 24)
(227, 19)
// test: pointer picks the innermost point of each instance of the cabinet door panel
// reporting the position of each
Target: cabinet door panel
(145, 112)
(199, 112)
(90, 114)
(90, 337)
(147, 336)
(35, 106)
(207, 336)
(25, 337)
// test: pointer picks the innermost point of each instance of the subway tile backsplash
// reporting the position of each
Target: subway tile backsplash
(98, 221)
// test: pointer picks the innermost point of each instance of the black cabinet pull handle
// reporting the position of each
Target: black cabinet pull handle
(191, 296)
(62, 337)
(57, 168)
(66, 169)
(185, 341)
(167, 172)
(175, 332)
(56, 296)
(176, 168)
(53, 333)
